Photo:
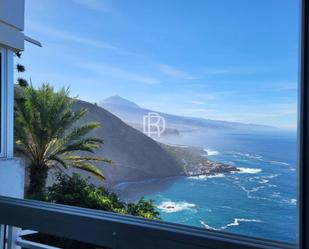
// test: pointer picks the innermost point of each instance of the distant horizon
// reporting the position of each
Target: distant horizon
(235, 64)
(159, 111)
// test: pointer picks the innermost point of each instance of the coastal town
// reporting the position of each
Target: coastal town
(195, 162)
(208, 168)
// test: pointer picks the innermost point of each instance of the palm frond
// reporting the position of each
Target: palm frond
(79, 132)
(87, 158)
(86, 166)
(87, 145)
(58, 160)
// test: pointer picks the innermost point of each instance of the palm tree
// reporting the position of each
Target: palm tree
(47, 135)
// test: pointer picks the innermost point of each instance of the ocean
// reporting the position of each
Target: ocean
(260, 200)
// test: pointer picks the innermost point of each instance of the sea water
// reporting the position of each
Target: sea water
(260, 200)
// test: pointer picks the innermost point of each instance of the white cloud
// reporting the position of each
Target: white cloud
(71, 37)
(115, 72)
(282, 115)
(197, 102)
(84, 40)
(176, 73)
(99, 5)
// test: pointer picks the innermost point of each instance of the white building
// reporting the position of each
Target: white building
(11, 40)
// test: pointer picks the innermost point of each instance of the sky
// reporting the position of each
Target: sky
(220, 59)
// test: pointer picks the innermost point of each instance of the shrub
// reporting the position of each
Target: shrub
(78, 191)
(144, 209)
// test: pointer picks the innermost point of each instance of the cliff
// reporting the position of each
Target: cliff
(135, 156)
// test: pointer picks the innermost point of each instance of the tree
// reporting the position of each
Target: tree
(77, 191)
(143, 208)
(47, 135)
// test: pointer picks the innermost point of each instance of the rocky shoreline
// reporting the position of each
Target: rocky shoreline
(209, 168)
(194, 161)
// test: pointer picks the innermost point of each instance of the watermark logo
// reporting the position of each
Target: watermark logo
(153, 124)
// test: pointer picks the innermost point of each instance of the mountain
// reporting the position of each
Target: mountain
(133, 114)
(135, 156)
(118, 101)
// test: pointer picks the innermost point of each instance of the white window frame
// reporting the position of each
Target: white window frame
(2, 102)
(7, 104)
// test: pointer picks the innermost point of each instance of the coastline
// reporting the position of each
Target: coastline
(194, 161)
(227, 202)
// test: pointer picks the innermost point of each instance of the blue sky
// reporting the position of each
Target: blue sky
(221, 59)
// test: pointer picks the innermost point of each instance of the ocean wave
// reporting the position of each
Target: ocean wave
(209, 227)
(256, 157)
(211, 152)
(293, 201)
(248, 170)
(205, 177)
(236, 222)
(271, 176)
(249, 191)
(279, 163)
(272, 185)
(276, 194)
(259, 179)
(226, 207)
(240, 157)
(219, 175)
(240, 160)
(263, 181)
(173, 207)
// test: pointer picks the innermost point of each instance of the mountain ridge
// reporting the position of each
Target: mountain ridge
(132, 113)
(134, 156)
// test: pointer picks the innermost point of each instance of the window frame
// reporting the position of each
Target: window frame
(2, 101)
(128, 232)
(303, 128)
(119, 231)
(6, 104)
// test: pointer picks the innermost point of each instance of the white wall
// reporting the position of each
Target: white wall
(11, 38)
(12, 13)
(12, 175)
(12, 24)
(11, 169)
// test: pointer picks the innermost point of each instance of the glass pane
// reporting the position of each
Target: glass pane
(197, 103)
